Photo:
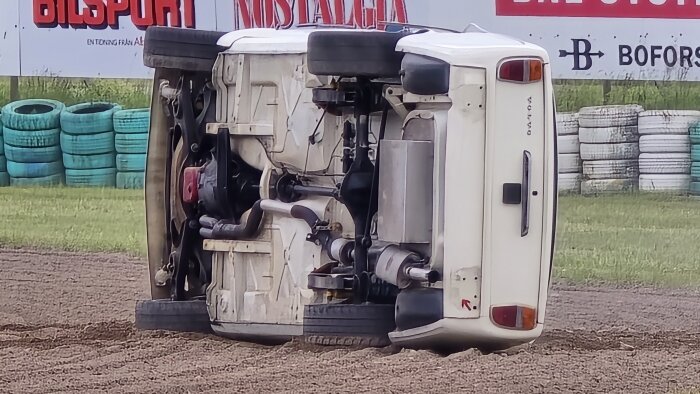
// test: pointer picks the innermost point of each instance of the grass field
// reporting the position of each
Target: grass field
(630, 239)
(571, 95)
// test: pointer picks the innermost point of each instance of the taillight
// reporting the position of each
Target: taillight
(521, 70)
(514, 317)
(190, 185)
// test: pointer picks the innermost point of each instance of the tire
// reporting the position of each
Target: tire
(568, 144)
(623, 151)
(667, 122)
(3, 164)
(131, 121)
(664, 144)
(131, 180)
(89, 118)
(181, 49)
(131, 143)
(30, 115)
(53, 180)
(694, 132)
(84, 144)
(2, 145)
(664, 183)
(33, 155)
(609, 116)
(131, 162)
(34, 170)
(103, 177)
(610, 169)
(569, 163)
(695, 171)
(176, 316)
(569, 183)
(369, 54)
(366, 325)
(32, 139)
(695, 188)
(4, 179)
(608, 186)
(567, 123)
(664, 163)
(89, 162)
(608, 135)
(695, 152)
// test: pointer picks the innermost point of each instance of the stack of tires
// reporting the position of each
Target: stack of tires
(87, 140)
(131, 142)
(609, 148)
(569, 155)
(4, 176)
(31, 133)
(664, 144)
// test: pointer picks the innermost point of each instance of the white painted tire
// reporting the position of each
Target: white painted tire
(608, 135)
(567, 123)
(624, 151)
(664, 183)
(570, 163)
(664, 143)
(607, 186)
(609, 115)
(611, 169)
(667, 122)
(569, 183)
(664, 163)
(567, 144)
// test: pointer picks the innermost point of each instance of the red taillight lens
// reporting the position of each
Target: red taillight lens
(521, 70)
(514, 317)
(190, 185)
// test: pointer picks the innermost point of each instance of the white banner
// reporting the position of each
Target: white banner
(586, 39)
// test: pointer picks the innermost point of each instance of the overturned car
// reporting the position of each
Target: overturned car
(350, 187)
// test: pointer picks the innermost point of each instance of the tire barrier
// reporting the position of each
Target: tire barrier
(131, 144)
(4, 176)
(609, 138)
(569, 153)
(665, 150)
(694, 135)
(31, 142)
(87, 141)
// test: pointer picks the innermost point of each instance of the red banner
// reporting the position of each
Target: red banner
(658, 9)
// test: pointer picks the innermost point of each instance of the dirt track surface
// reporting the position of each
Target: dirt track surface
(66, 326)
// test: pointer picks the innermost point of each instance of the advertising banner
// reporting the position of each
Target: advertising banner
(586, 39)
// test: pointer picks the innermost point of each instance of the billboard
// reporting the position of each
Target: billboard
(586, 39)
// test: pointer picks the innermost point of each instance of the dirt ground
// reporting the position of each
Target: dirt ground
(66, 326)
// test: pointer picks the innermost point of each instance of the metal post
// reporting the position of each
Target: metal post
(14, 88)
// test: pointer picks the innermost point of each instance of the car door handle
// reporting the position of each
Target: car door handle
(525, 195)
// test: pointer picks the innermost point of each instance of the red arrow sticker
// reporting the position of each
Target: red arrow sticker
(467, 304)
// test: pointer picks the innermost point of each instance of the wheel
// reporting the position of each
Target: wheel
(87, 162)
(664, 163)
(609, 151)
(103, 177)
(365, 325)
(84, 144)
(130, 180)
(672, 183)
(569, 163)
(132, 121)
(32, 114)
(570, 183)
(567, 123)
(167, 315)
(667, 122)
(53, 180)
(31, 138)
(370, 54)
(664, 143)
(34, 170)
(89, 118)
(610, 169)
(568, 144)
(131, 143)
(33, 155)
(608, 135)
(131, 162)
(609, 116)
(181, 49)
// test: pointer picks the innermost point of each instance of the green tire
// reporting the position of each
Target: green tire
(88, 162)
(131, 162)
(53, 180)
(2, 145)
(132, 121)
(32, 139)
(89, 118)
(33, 155)
(4, 179)
(695, 152)
(695, 188)
(33, 115)
(131, 143)
(3, 164)
(34, 170)
(103, 177)
(130, 180)
(85, 144)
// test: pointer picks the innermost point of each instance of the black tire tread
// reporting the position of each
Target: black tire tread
(181, 49)
(366, 325)
(178, 316)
